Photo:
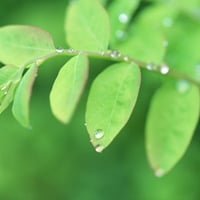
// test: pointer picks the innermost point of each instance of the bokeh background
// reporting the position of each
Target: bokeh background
(57, 162)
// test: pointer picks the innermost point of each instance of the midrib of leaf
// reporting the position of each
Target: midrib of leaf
(115, 101)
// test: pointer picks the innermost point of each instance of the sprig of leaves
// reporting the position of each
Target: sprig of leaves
(174, 109)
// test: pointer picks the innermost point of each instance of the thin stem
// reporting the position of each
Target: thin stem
(115, 55)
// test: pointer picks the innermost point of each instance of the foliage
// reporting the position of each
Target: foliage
(146, 38)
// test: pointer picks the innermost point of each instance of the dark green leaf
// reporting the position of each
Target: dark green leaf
(87, 25)
(68, 87)
(110, 103)
(22, 96)
(173, 116)
(20, 44)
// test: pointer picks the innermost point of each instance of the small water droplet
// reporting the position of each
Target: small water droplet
(59, 50)
(99, 133)
(182, 86)
(150, 66)
(85, 124)
(164, 69)
(165, 43)
(167, 22)
(126, 58)
(159, 172)
(99, 148)
(115, 54)
(123, 18)
(70, 50)
(5, 93)
(120, 34)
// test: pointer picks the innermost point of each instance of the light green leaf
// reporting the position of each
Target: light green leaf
(183, 54)
(173, 116)
(111, 100)
(19, 44)
(20, 107)
(146, 41)
(87, 25)
(68, 87)
(120, 13)
(9, 78)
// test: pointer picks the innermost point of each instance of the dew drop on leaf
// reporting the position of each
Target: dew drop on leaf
(120, 34)
(123, 18)
(99, 148)
(59, 50)
(165, 43)
(99, 133)
(182, 86)
(164, 69)
(167, 22)
(115, 54)
(150, 66)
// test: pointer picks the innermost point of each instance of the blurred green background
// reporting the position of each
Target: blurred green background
(56, 161)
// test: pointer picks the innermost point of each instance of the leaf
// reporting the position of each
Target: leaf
(172, 118)
(111, 100)
(183, 54)
(68, 87)
(20, 44)
(87, 26)
(20, 107)
(9, 79)
(120, 13)
(146, 41)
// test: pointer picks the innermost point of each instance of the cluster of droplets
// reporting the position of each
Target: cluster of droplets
(163, 68)
(61, 50)
(99, 134)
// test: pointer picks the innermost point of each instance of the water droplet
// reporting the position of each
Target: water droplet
(5, 93)
(126, 58)
(99, 133)
(164, 69)
(99, 148)
(150, 66)
(167, 22)
(182, 86)
(165, 43)
(59, 50)
(115, 54)
(123, 18)
(120, 34)
(70, 50)
(159, 172)
(85, 124)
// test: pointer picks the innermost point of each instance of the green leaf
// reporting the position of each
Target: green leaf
(173, 116)
(183, 54)
(111, 100)
(9, 79)
(20, 44)
(68, 87)
(6, 74)
(120, 13)
(20, 107)
(87, 25)
(146, 41)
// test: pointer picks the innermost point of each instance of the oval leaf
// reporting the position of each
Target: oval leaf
(68, 87)
(111, 100)
(87, 25)
(171, 121)
(19, 44)
(20, 107)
